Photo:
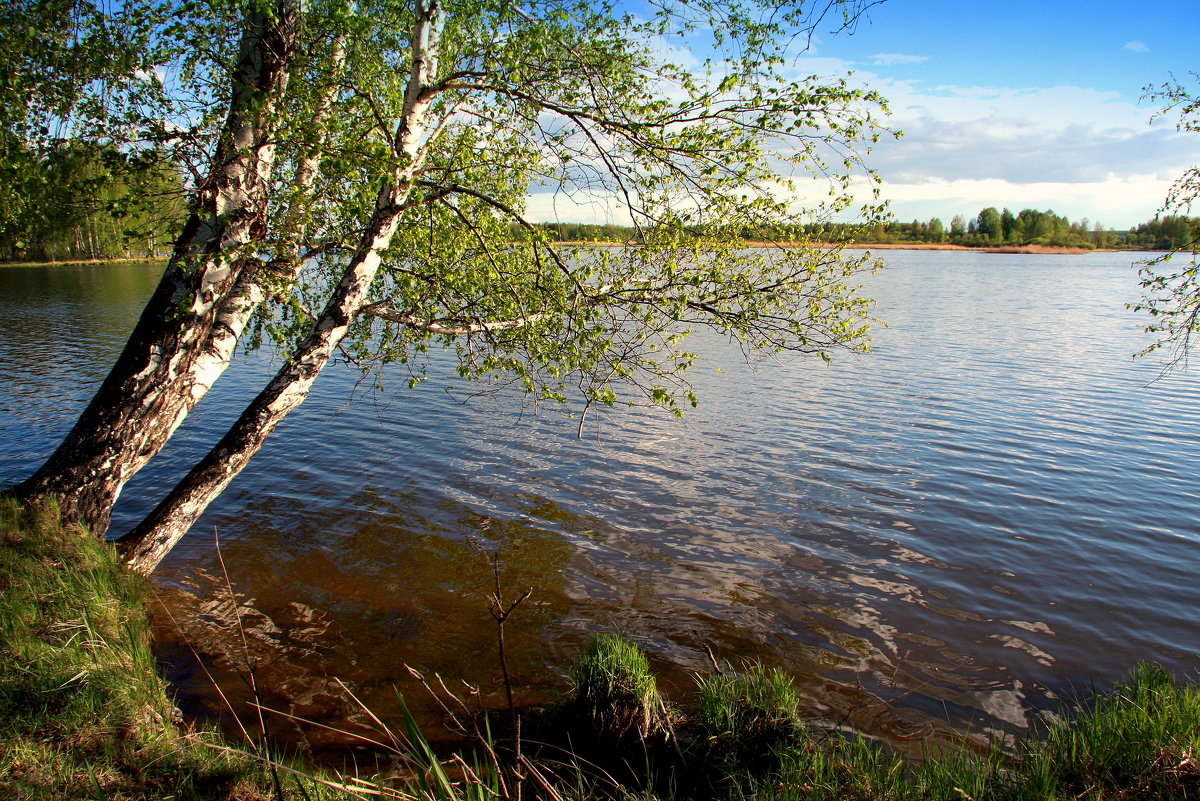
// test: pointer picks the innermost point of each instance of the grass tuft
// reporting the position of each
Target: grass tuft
(752, 712)
(616, 690)
(1140, 739)
(83, 711)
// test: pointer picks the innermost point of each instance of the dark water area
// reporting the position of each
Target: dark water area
(995, 508)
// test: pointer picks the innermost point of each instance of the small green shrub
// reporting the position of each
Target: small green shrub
(749, 714)
(615, 688)
(1142, 738)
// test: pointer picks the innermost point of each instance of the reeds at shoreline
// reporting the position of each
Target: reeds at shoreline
(84, 714)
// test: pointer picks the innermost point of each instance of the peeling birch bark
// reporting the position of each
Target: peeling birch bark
(150, 390)
(152, 539)
(145, 546)
(255, 285)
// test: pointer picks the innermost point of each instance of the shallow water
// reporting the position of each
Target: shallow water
(995, 506)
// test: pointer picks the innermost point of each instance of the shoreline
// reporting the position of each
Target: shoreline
(1052, 250)
(1058, 250)
(91, 716)
(1043, 250)
(83, 262)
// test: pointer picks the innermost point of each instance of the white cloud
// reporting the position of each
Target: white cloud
(1077, 150)
(1136, 46)
(1116, 201)
(576, 207)
(1080, 151)
(1023, 151)
(1046, 107)
(889, 59)
(158, 74)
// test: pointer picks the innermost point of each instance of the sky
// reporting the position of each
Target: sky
(1023, 104)
(1019, 104)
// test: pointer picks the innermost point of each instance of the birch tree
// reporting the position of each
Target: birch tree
(1170, 285)
(365, 198)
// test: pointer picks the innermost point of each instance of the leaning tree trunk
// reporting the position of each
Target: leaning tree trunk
(257, 280)
(162, 372)
(146, 545)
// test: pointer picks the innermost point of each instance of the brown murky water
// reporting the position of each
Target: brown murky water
(994, 508)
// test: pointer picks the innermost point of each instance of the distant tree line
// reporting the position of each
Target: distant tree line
(79, 202)
(1173, 232)
(585, 232)
(992, 227)
(88, 204)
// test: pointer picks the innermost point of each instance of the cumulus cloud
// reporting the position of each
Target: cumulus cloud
(158, 75)
(1115, 201)
(1025, 151)
(550, 205)
(1079, 151)
(1136, 46)
(890, 59)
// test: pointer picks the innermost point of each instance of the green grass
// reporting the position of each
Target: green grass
(615, 688)
(1141, 740)
(85, 715)
(752, 713)
(83, 711)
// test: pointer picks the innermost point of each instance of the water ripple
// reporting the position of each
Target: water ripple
(995, 506)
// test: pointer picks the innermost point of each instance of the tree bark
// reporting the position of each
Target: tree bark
(146, 545)
(158, 379)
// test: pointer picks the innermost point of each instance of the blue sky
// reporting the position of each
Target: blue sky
(1029, 43)
(1019, 104)
(1023, 104)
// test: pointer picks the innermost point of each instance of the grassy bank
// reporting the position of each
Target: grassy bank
(83, 711)
(84, 715)
(743, 739)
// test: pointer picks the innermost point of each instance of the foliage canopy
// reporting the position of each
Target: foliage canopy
(1171, 290)
(362, 180)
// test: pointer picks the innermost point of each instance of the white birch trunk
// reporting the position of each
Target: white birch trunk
(254, 285)
(148, 392)
(146, 545)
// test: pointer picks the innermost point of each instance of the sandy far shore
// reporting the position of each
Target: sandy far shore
(1043, 249)
(83, 262)
(1028, 249)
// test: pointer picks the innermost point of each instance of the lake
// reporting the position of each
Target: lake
(992, 510)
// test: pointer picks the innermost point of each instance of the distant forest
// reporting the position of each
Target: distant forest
(82, 202)
(990, 228)
(100, 204)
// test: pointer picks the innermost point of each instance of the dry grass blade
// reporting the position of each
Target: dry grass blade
(358, 792)
(211, 679)
(397, 745)
(352, 735)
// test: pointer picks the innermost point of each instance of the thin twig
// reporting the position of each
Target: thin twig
(251, 668)
(501, 612)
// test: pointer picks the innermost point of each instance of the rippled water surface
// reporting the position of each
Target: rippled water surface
(995, 506)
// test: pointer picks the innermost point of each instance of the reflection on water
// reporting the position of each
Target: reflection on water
(991, 509)
(61, 328)
(382, 591)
